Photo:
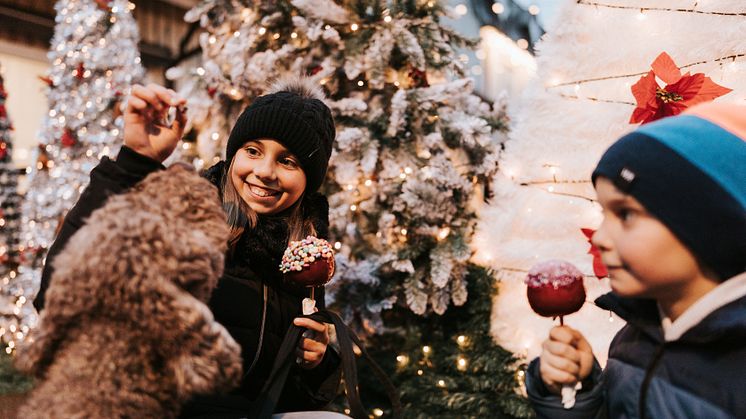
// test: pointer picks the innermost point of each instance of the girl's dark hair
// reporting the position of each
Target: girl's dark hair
(240, 215)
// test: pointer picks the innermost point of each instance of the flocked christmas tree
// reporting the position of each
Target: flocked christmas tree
(94, 61)
(10, 224)
(591, 90)
(414, 151)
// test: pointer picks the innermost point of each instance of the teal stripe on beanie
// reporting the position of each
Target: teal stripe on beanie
(717, 152)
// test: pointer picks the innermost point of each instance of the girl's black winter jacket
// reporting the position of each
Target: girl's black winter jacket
(238, 302)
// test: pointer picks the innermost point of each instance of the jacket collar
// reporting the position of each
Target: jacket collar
(719, 298)
(720, 315)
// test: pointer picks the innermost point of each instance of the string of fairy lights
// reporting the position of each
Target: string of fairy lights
(727, 63)
(643, 9)
(720, 60)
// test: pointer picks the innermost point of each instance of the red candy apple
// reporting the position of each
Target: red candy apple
(555, 288)
(308, 262)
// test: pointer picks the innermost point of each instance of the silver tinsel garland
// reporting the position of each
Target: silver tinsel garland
(10, 227)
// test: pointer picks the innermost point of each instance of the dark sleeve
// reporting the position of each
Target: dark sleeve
(316, 388)
(589, 401)
(108, 178)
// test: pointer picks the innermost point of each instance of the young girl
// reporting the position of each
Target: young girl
(276, 159)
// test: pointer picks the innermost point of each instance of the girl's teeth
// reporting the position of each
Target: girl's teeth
(261, 192)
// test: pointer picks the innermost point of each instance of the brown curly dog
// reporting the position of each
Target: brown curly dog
(126, 332)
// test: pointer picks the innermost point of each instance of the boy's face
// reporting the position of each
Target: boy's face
(642, 255)
(267, 176)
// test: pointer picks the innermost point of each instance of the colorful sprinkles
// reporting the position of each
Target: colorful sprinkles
(300, 254)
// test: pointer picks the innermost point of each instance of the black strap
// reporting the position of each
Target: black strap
(286, 357)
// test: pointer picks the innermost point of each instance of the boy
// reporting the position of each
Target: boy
(673, 238)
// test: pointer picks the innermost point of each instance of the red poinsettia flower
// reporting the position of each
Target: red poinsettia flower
(599, 269)
(681, 91)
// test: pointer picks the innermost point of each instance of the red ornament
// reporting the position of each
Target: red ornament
(555, 288)
(3, 154)
(68, 138)
(599, 269)
(47, 81)
(211, 91)
(103, 5)
(681, 91)
(79, 71)
(419, 78)
(316, 69)
(3, 113)
(308, 262)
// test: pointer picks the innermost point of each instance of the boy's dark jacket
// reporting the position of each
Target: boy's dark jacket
(237, 302)
(700, 375)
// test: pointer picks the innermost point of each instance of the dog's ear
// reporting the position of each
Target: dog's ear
(200, 263)
(211, 364)
(200, 353)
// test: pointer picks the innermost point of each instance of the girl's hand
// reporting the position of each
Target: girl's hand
(566, 358)
(144, 131)
(312, 347)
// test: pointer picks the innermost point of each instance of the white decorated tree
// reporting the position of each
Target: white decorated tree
(10, 225)
(582, 102)
(94, 60)
(415, 149)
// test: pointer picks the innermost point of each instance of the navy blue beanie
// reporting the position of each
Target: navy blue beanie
(689, 171)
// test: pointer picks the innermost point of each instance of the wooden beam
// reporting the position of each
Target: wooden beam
(36, 28)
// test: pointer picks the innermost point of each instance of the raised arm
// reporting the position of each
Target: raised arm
(147, 143)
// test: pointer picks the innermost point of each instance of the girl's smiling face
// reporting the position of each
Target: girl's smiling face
(267, 176)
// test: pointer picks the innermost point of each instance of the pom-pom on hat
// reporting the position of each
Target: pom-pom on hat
(689, 171)
(294, 114)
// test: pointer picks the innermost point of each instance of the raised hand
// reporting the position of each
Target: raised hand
(144, 128)
(566, 358)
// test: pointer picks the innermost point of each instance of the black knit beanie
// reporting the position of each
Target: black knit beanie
(294, 114)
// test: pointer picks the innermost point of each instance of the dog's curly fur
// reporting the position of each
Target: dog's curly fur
(126, 332)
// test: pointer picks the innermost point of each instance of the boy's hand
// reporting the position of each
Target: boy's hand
(312, 347)
(566, 358)
(144, 131)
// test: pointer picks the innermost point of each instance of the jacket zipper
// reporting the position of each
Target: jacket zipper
(648, 377)
(261, 331)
